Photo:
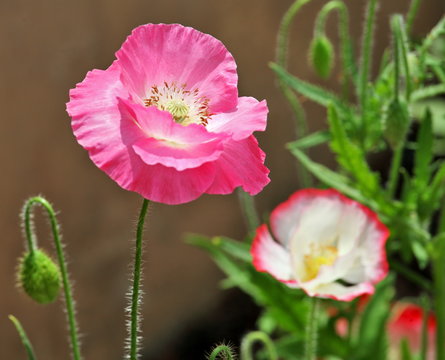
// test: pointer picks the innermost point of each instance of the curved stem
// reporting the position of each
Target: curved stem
(395, 170)
(412, 12)
(135, 291)
(32, 244)
(222, 350)
(345, 39)
(396, 59)
(401, 52)
(281, 59)
(366, 62)
(312, 331)
(283, 32)
(257, 336)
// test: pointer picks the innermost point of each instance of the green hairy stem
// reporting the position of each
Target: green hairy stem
(32, 246)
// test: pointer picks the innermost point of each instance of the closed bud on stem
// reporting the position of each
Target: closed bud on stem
(396, 123)
(321, 56)
(39, 276)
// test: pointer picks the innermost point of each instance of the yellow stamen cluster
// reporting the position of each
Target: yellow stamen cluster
(322, 255)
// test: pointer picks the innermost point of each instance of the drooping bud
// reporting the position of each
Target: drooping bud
(396, 123)
(39, 276)
(321, 56)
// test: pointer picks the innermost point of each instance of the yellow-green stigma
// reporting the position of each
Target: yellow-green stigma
(178, 109)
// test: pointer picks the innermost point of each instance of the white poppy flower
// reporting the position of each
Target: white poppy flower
(327, 244)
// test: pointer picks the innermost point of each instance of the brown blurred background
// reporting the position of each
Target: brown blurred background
(47, 46)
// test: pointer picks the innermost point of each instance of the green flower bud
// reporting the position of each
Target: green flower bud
(39, 276)
(321, 56)
(396, 123)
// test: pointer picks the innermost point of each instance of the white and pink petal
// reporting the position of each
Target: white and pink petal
(269, 256)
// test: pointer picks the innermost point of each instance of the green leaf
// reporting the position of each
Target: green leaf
(350, 156)
(430, 198)
(420, 252)
(314, 139)
(372, 331)
(424, 152)
(315, 93)
(23, 337)
(328, 177)
(427, 92)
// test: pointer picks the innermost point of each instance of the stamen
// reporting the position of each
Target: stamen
(186, 106)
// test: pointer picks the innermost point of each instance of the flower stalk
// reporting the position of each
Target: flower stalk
(224, 352)
(32, 246)
(248, 207)
(312, 330)
(366, 57)
(345, 39)
(253, 337)
(281, 59)
(135, 291)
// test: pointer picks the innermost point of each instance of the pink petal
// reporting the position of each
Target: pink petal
(154, 54)
(168, 185)
(250, 115)
(268, 256)
(158, 139)
(99, 128)
(96, 120)
(241, 164)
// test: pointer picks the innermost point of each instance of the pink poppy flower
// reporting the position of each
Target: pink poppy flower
(328, 245)
(406, 323)
(165, 119)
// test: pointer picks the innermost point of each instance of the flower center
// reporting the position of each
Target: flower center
(186, 106)
(321, 255)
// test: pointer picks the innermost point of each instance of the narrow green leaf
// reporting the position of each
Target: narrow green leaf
(432, 195)
(314, 139)
(350, 156)
(328, 177)
(312, 92)
(23, 337)
(372, 331)
(286, 305)
(427, 92)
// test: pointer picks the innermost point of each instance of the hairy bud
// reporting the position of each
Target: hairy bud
(39, 276)
(321, 56)
(396, 123)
